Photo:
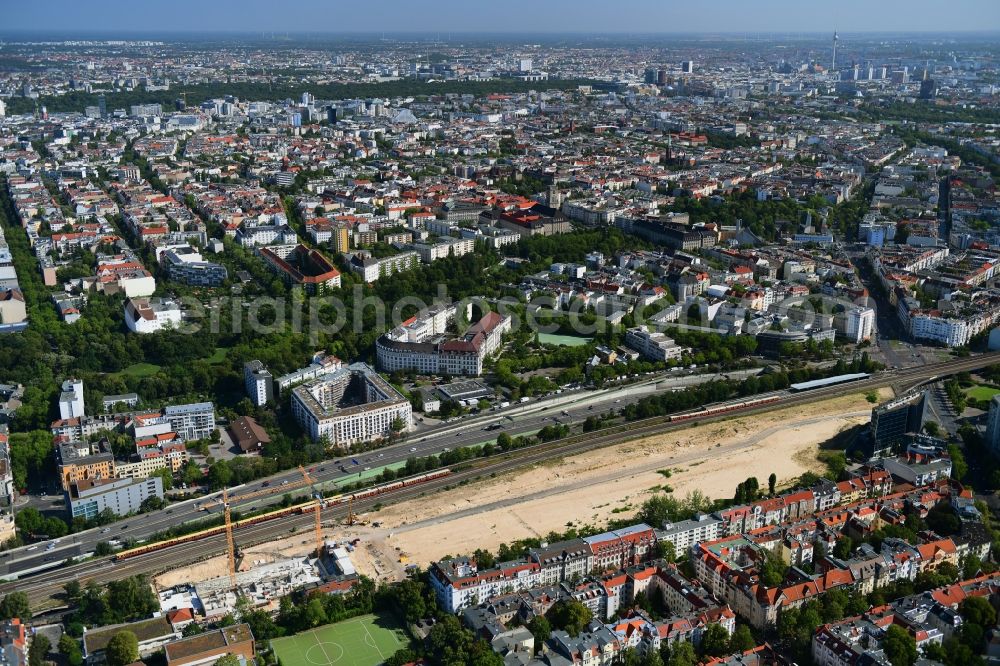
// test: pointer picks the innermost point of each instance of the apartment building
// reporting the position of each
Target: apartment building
(653, 345)
(622, 548)
(686, 533)
(71, 399)
(352, 405)
(447, 247)
(459, 583)
(322, 364)
(371, 269)
(13, 312)
(8, 494)
(187, 265)
(272, 234)
(80, 461)
(150, 315)
(303, 267)
(420, 344)
(125, 275)
(258, 383)
(191, 422)
(208, 647)
(88, 498)
(859, 325)
(164, 451)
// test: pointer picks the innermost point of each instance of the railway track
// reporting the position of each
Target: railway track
(46, 587)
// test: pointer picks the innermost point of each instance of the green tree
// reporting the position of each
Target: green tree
(570, 616)
(69, 647)
(450, 643)
(484, 558)
(228, 660)
(772, 480)
(978, 610)
(40, 646)
(409, 598)
(959, 468)
(899, 647)
(192, 629)
(73, 591)
(540, 629)
(315, 613)
(166, 475)
(742, 640)
(682, 654)
(219, 474)
(131, 598)
(843, 548)
(16, 605)
(772, 570)
(151, 503)
(652, 658)
(401, 657)
(191, 473)
(122, 649)
(715, 641)
(971, 566)
(629, 657)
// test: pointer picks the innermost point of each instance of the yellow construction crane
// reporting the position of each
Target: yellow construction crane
(318, 496)
(229, 539)
(319, 528)
(350, 510)
(271, 490)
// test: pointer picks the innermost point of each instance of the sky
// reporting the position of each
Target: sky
(493, 16)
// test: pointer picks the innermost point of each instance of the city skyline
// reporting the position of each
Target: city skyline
(517, 16)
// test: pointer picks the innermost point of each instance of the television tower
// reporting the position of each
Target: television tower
(833, 62)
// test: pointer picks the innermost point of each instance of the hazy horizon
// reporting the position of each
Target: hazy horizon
(527, 17)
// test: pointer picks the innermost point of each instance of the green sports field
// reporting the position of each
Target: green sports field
(980, 392)
(362, 641)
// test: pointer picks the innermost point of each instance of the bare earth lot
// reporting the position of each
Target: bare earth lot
(582, 490)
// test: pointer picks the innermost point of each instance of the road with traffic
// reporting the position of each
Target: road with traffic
(103, 569)
(520, 419)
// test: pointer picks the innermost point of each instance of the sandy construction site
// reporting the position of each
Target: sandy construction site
(586, 489)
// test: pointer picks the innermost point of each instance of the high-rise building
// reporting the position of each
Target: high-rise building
(661, 77)
(993, 426)
(524, 64)
(687, 66)
(331, 114)
(893, 421)
(833, 60)
(71, 399)
(928, 86)
(102, 105)
(860, 324)
(258, 383)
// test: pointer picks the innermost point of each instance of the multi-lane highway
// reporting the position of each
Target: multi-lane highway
(566, 407)
(529, 418)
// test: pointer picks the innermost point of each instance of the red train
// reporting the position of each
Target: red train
(723, 409)
(287, 511)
